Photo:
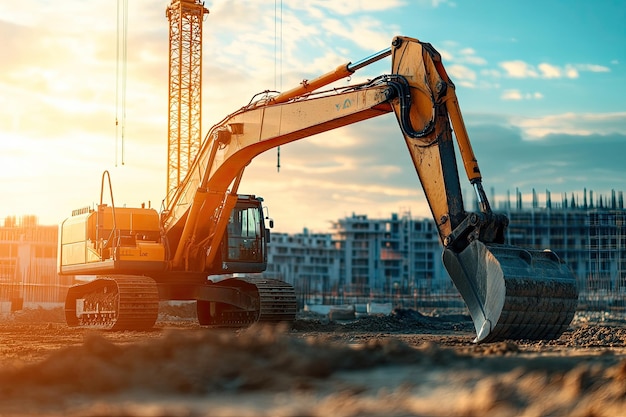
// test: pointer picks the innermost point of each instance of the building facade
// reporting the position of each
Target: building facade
(361, 258)
(28, 273)
(308, 261)
(397, 255)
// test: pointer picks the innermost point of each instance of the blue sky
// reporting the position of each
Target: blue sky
(541, 85)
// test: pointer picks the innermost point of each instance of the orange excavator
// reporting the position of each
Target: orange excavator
(204, 241)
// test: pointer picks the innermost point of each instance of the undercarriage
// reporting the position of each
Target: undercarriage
(131, 302)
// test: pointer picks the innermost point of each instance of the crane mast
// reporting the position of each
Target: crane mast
(185, 88)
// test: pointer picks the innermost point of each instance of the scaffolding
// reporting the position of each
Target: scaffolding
(605, 284)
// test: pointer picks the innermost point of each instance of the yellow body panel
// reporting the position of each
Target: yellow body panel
(89, 238)
(144, 251)
(78, 253)
(131, 219)
(77, 228)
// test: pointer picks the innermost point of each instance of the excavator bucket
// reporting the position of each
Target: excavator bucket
(513, 293)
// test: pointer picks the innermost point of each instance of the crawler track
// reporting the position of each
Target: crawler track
(274, 302)
(277, 300)
(124, 302)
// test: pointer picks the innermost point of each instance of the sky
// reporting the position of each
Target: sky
(541, 85)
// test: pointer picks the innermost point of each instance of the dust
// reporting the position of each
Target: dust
(38, 315)
(405, 364)
(201, 362)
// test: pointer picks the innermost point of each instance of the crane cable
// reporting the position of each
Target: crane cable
(278, 55)
(120, 80)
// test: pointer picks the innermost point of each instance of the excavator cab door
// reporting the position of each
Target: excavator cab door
(244, 248)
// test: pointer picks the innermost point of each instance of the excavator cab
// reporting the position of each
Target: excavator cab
(244, 245)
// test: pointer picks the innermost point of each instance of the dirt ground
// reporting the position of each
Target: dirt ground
(406, 364)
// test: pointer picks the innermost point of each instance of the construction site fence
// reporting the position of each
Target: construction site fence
(18, 296)
(418, 302)
(587, 301)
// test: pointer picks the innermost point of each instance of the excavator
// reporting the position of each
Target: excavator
(208, 242)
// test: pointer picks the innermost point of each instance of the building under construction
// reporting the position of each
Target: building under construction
(399, 257)
(589, 234)
(28, 273)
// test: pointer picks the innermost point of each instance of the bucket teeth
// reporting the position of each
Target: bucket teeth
(513, 293)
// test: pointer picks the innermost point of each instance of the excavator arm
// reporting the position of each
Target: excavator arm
(510, 292)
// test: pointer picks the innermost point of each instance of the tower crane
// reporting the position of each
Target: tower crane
(185, 88)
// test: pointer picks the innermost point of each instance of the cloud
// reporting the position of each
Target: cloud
(570, 72)
(461, 73)
(451, 51)
(592, 68)
(365, 32)
(459, 62)
(468, 55)
(319, 8)
(518, 95)
(549, 71)
(521, 69)
(575, 124)
(280, 46)
(319, 182)
(491, 73)
(437, 3)
(562, 161)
